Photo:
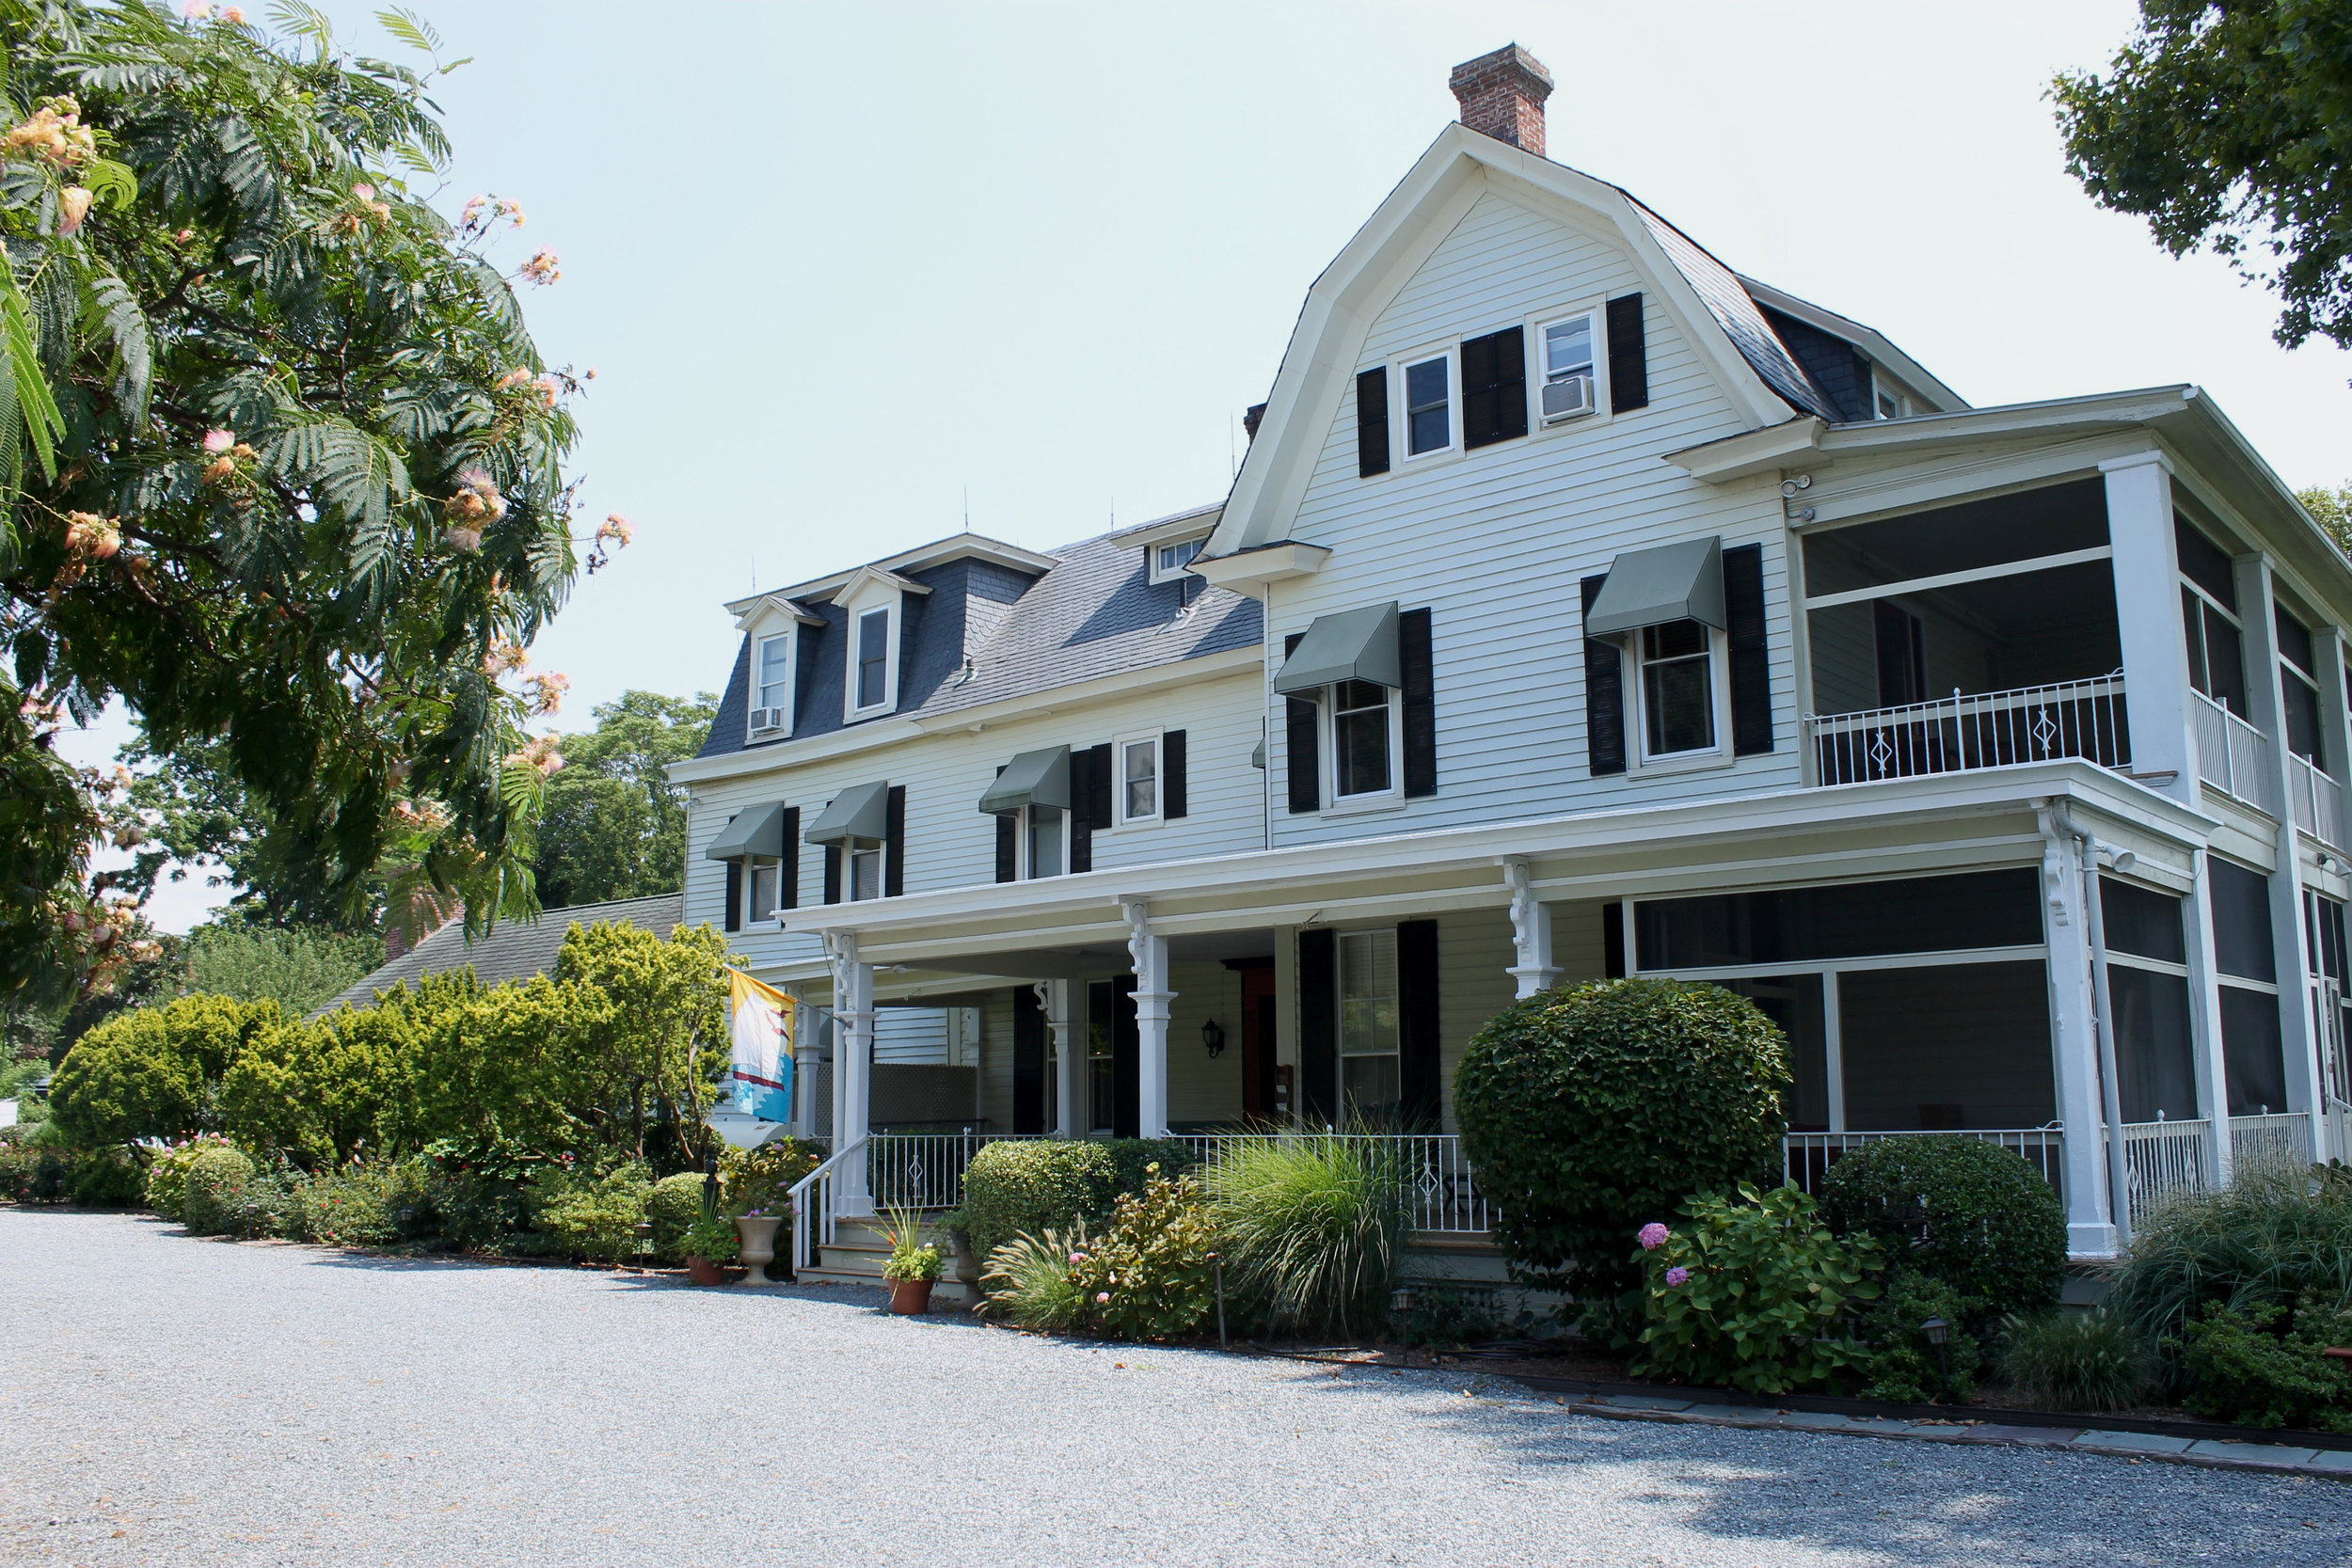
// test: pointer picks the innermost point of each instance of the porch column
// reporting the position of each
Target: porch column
(2289, 941)
(852, 1063)
(2148, 613)
(806, 1061)
(2204, 1022)
(2074, 1045)
(1149, 954)
(2336, 748)
(1073, 1116)
(1531, 932)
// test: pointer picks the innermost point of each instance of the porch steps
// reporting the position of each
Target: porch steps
(855, 1256)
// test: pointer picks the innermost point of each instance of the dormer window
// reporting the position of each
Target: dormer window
(772, 660)
(1170, 562)
(873, 661)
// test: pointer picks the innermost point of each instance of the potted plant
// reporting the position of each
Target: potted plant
(757, 1229)
(710, 1243)
(914, 1264)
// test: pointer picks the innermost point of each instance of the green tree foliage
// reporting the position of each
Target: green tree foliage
(614, 826)
(2333, 511)
(156, 1072)
(296, 969)
(1590, 1112)
(282, 465)
(2229, 127)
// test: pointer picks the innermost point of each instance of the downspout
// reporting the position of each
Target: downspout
(2058, 820)
(1266, 712)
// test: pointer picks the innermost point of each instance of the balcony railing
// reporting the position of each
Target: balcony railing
(2317, 802)
(2233, 755)
(1966, 732)
(1807, 1156)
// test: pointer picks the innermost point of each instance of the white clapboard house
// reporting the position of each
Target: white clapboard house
(1582, 607)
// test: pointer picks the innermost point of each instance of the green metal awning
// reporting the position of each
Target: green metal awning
(861, 811)
(756, 832)
(1039, 778)
(1352, 646)
(1671, 582)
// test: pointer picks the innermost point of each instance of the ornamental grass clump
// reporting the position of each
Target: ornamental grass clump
(2265, 1241)
(2093, 1360)
(1588, 1110)
(1032, 1281)
(1315, 1228)
(1756, 1294)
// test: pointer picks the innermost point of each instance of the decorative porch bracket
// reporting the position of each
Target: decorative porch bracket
(1149, 954)
(1531, 930)
(852, 1064)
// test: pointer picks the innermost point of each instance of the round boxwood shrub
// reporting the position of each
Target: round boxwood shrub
(1590, 1112)
(1028, 1186)
(672, 1208)
(1961, 1211)
(215, 1181)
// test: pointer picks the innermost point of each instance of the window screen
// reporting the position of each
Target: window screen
(2252, 1052)
(1919, 915)
(2140, 920)
(1954, 1046)
(2241, 921)
(2156, 1071)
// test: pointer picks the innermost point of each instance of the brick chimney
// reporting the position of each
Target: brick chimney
(1503, 96)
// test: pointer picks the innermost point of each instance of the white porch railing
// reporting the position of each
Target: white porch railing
(2270, 1144)
(1807, 1156)
(2165, 1159)
(1964, 733)
(2233, 755)
(2317, 802)
(817, 1205)
(2339, 1130)
(924, 1171)
(1445, 1194)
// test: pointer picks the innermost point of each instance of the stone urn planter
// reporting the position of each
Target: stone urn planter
(759, 1245)
(911, 1298)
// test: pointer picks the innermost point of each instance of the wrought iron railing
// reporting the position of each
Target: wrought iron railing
(2274, 1145)
(1969, 730)
(1807, 1156)
(2316, 801)
(1443, 1188)
(2233, 755)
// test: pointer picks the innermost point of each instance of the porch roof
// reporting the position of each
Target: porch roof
(1834, 835)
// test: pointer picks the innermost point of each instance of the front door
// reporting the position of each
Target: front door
(1257, 1035)
(1115, 1057)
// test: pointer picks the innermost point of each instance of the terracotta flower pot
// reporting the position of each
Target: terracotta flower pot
(911, 1297)
(704, 1271)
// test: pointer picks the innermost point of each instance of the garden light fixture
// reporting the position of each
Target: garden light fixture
(1213, 1035)
(1936, 1331)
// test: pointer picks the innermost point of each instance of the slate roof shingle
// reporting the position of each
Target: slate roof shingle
(513, 950)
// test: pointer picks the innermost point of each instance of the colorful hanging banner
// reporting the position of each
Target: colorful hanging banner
(764, 1021)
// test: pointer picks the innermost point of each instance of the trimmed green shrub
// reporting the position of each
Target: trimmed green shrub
(155, 1073)
(2267, 1241)
(1315, 1228)
(1753, 1292)
(1028, 1186)
(2093, 1360)
(672, 1207)
(1899, 1363)
(762, 1178)
(2264, 1367)
(1590, 1109)
(1032, 1280)
(167, 1175)
(215, 1183)
(599, 1219)
(114, 1176)
(1960, 1209)
(1132, 1159)
(355, 1206)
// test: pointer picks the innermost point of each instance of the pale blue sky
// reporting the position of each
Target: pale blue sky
(835, 264)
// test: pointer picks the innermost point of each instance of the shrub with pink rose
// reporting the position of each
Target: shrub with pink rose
(1753, 1292)
(1149, 1276)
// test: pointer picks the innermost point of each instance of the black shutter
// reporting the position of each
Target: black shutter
(1008, 846)
(1628, 354)
(1604, 695)
(735, 895)
(1419, 1073)
(1081, 825)
(1028, 1061)
(1300, 726)
(895, 843)
(789, 875)
(832, 874)
(1612, 941)
(1494, 386)
(1372, 422)
(1097, 803)
(1318, 1027)
(1421, 703)
(1174, 802)
(1751, 666)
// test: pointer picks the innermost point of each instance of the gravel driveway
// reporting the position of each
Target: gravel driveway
(171, 1400)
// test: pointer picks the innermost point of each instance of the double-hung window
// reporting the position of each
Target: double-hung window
(1678, 688)
(1364, 740)
(1429, 406)
(760, 890)
(865, 858)
(2209, 620)
(1371, 1079)
(1566, 347)
(1044, 840)
(871, 676)
(771, 696)
(2298, 687)
(1138, 780)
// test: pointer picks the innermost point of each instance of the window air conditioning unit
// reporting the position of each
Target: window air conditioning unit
(765, 718)
(1567, 398)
